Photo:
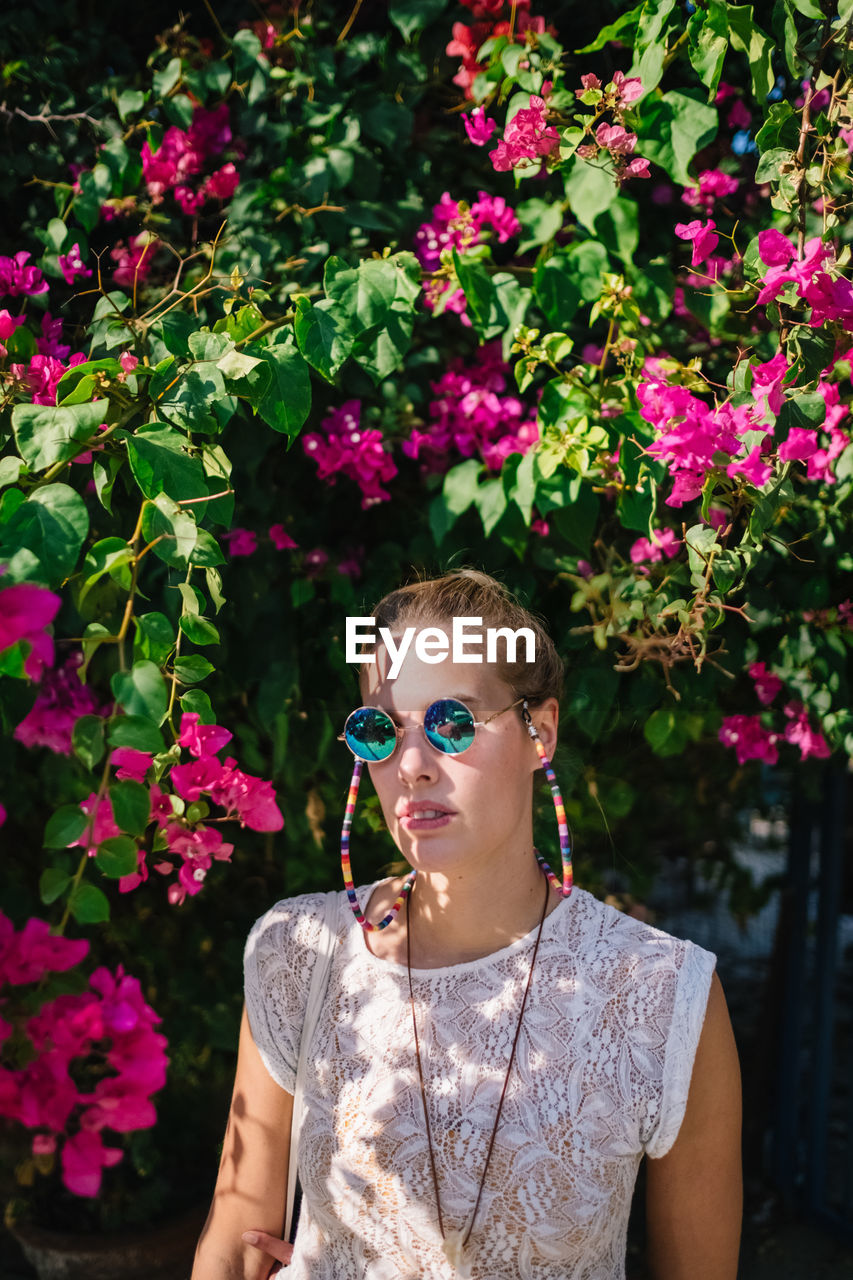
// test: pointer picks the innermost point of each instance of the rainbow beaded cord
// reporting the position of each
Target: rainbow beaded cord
(346, 868)
(565, 888)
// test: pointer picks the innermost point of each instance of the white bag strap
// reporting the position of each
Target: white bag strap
(316, 996)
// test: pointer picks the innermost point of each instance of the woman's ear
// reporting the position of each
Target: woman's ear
(546, 719)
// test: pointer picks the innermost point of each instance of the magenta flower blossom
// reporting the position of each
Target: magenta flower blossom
(26, 956)
(197, 776)
(101, 825)
(222, 184)
(71, 265)
(472, 416)
(135, 260)
(750, 739)
(18, 279)
(60, 702)
(280, 539)
(182, 155)
(240, 542)
(767, 684)
(753, 468)
(251, 799)
(800, 734)
(629, 88)
(347, 449)
(8, 324)
(454, 226)
(50, 344)
(615, 138)
(527, 138)
(25, 611)
(128, 362)
(663, 542)
(130, 763)
(713, 185)
(800, 445)
(774, 249)
(201, 739)
(767, 381)
(478, 127)
(703, 236)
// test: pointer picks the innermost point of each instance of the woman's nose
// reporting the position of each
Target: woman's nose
(416, 758)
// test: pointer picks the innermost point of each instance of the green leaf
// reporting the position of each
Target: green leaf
(707, 44)
(411, 16)
(87, 740)
(89, 904)
(196, 702)
(43, 537)
(286, 402)
(161, 463)
(117, 857)
(491, 501)
(673, 128)
(650, 43)
(131, 804)
(376, 300)
(77, 383)
(154, 637)
(623, 29)
(540, 222)
(214, 587)
(322, 337)
(618, 229)
(590, 189)
(130, 102)
(589, 696)
(109, 555)
(176, 530)
(137, 732)
(780, 129)
(192, 668)
(756, 44)
(45, 434)
(53, 882)
(141, 691)
(11, 469)
(576, 520)
(199, 630)
(64, 827)
(483, 310)
(556, 289)
(165, 80)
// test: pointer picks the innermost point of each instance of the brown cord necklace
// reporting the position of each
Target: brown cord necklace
(455, 1242)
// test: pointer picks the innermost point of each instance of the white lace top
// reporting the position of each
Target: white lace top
(601, 1076)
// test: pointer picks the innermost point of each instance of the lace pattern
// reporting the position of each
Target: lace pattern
(602, 1074)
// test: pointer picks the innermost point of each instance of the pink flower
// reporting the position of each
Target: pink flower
(540, 526)
(752, 468)
(767, 382)
(663, 542)
(527, 138)
(767, 685)
(25, 611)
(315, 562)
(26, 956)
(222, 184)
(71, 265)
(349, 449)
(101, 825)
(130, 763)
(629, 88)
(800, 445)
(636, 168)
(739, 117)
(749, 738)
(18, 279)
(8, 324)
(280, 539)
(478, 127)
(614, 138)
(84, 1156)
(201, 739)
(800, 734)
(774, 249)
(251, 798)
(134, 262)
(713, 185)
(190, 780)
(49, 343)
(703, 236)
(60, 702)
(128, 362)
(240, 542)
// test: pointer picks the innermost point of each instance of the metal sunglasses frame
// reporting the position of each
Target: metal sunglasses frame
(402, 729)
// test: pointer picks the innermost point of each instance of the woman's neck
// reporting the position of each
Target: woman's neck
(454, 919)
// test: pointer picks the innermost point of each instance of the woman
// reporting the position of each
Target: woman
(493, 1059)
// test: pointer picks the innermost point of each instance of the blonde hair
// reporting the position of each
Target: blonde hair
(468, 593)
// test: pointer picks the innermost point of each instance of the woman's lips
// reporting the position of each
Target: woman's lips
(425, 820)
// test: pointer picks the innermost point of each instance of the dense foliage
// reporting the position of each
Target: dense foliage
(295, 305)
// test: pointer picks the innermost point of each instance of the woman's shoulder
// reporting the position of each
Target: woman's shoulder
(618, 941)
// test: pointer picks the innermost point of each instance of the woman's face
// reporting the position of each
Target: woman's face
(452, 813)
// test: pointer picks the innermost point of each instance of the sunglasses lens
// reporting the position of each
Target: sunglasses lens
(449, 726)
(370, 734)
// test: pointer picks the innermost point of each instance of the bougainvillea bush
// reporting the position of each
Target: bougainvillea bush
(298, 300)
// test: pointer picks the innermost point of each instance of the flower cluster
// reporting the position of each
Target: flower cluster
(713, 185)
(60, 702)
(467, 41)
(528, 138)
(135, 259)
(612, 138)
(343, 447)
(457, 225)
(813, 276)
(178, 162)
(663, 542)
(181, 832)
(472, 415)
(750, 738)
(106, 1034)
(19, 279)
(26, 610)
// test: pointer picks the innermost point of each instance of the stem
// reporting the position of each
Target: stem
(350, 20)
(90, 826)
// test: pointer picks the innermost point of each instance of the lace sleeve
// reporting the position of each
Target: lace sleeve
(695, 967)
(277, 964)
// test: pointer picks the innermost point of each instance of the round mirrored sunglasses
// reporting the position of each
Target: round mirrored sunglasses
(448, 725)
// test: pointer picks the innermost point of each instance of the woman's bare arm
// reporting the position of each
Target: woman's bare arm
(694, 1194)
(252, 1182)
